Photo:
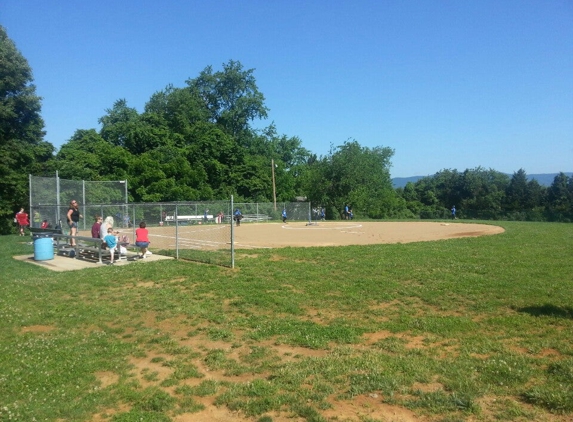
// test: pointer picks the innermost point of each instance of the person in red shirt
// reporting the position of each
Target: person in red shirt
(22, 220)
(142, 238)
(96, 228)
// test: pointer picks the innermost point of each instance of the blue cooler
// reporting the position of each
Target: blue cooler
(43, 247)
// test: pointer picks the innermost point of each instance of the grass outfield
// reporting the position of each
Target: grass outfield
(469, 329)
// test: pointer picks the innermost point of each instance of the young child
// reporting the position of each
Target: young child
(21, 218)
(142, 238)
(111, 240)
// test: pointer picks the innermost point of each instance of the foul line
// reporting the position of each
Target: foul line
(356, 226)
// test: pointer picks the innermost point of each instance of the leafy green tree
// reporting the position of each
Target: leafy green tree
(482, 192)
(357, 176)
(87, 156)
(22, 147)
(317, 186)
(232, 97)
(517, 192)
(181, 109)
(165, 174)
(524, 199)
(535, 195)
(124, 127)
(410, 196)
(428, 195)
(448, 185)
(217, 153)
(290, 160)
(116, 123)
(252, 179)
(560, 198)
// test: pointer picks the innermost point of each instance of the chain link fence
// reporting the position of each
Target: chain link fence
(50, 197)
(198, 231)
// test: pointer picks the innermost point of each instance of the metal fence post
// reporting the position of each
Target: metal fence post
(176, 231)
(232, 235)
(84, 201)
(58, 216)
(30, 200)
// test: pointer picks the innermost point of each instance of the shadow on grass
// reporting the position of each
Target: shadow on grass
(548, 310)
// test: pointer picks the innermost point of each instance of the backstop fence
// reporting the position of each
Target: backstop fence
(194, 230)
(50, 197)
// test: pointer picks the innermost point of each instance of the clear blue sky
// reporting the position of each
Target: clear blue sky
(447, 84)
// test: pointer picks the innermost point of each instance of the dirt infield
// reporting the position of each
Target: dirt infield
(299, 234)
(342, 233)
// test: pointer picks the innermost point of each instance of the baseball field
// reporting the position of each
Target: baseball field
(300, 234)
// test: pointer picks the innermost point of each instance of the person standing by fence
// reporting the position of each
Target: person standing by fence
(73, 220)
(21, 218)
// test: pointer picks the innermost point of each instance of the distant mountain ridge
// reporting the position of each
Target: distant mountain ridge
(544, 179)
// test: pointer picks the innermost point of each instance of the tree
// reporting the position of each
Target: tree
(482, 192)
(524, 200)
(87, 156)
(181, 109)
(166, 175)
(560, 198)
(517, 192)
(357, 176)
(124, 127)
(535, 195)
(216, 152)
(22, 147)
(289, 157)
(232, 97)
(448, 185)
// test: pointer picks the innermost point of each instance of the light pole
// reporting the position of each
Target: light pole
(274, 185)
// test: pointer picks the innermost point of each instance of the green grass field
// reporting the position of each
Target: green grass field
(475, 329)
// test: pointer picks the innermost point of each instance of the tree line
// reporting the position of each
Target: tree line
(198, 142)
(490, 195)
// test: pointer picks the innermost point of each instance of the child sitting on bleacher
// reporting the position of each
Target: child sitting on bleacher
(111, 240)
(142, 239)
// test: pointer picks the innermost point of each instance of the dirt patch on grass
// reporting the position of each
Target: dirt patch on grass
(37, 329)
(150, 370)
(369, 407)
(107, 378)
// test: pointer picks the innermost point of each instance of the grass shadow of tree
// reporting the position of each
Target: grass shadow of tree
(548, 310)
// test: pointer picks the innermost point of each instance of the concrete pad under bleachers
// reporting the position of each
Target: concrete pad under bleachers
(65, 263)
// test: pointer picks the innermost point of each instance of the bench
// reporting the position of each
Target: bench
(255, 218)
(89, 246)
(189, 218)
